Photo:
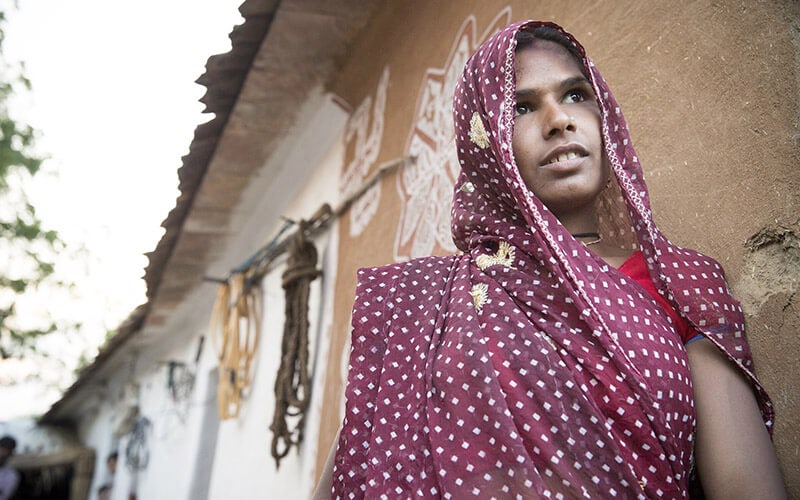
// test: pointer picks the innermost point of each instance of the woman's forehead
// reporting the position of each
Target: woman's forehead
(544, 61)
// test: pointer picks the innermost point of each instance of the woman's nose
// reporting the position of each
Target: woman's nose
(557, 121)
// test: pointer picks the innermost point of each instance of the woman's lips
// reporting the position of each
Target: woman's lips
(564, 154)
(563, 157)
(564, 163)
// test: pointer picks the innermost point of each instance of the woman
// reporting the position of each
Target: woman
(571, 350)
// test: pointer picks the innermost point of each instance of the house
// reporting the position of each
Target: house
(334, 117)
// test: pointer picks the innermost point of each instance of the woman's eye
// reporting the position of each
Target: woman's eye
(521, 109)
(574, 96)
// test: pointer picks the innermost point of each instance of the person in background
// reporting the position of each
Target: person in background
(9, 477)
(104, 492)
(111, 465)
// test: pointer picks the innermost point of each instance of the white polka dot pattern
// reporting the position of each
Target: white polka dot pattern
(527, 367)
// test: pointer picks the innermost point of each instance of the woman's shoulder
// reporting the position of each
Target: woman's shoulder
(415, 288)
(691, 258)
(413, 278)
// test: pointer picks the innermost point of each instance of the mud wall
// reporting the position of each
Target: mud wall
(710, 90)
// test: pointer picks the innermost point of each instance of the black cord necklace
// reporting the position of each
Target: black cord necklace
(596, 236)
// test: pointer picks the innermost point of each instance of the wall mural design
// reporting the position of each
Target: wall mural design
(426, 188)
(366, 149)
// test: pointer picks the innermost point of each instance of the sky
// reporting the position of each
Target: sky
(115, 104)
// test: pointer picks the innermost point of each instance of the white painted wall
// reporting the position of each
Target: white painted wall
(98, 435)
(244, 468)
(305, 175)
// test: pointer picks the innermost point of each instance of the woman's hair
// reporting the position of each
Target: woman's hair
(526, 38)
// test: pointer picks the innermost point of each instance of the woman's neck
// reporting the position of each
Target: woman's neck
(583, 225)
(579, 223)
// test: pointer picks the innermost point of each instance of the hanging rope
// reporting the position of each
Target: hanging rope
(236, 318)
(137, 452)
(235, 330)
(293, 383)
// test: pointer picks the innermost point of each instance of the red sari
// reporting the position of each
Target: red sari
(527, 366)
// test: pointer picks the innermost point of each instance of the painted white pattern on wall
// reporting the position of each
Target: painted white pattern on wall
(426, 188)
(366, 149)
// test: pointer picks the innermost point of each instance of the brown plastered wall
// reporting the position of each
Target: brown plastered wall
(710, 91)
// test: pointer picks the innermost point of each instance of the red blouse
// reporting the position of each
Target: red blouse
(636, 268)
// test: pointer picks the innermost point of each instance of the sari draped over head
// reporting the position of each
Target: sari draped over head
(527, 366)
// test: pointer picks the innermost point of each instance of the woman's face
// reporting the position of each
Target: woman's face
(557, 141)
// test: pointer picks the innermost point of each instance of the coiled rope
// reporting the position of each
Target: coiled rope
(137, 452)
(236, 320)
(293, 382)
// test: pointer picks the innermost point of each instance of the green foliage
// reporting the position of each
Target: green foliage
(26, 246)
